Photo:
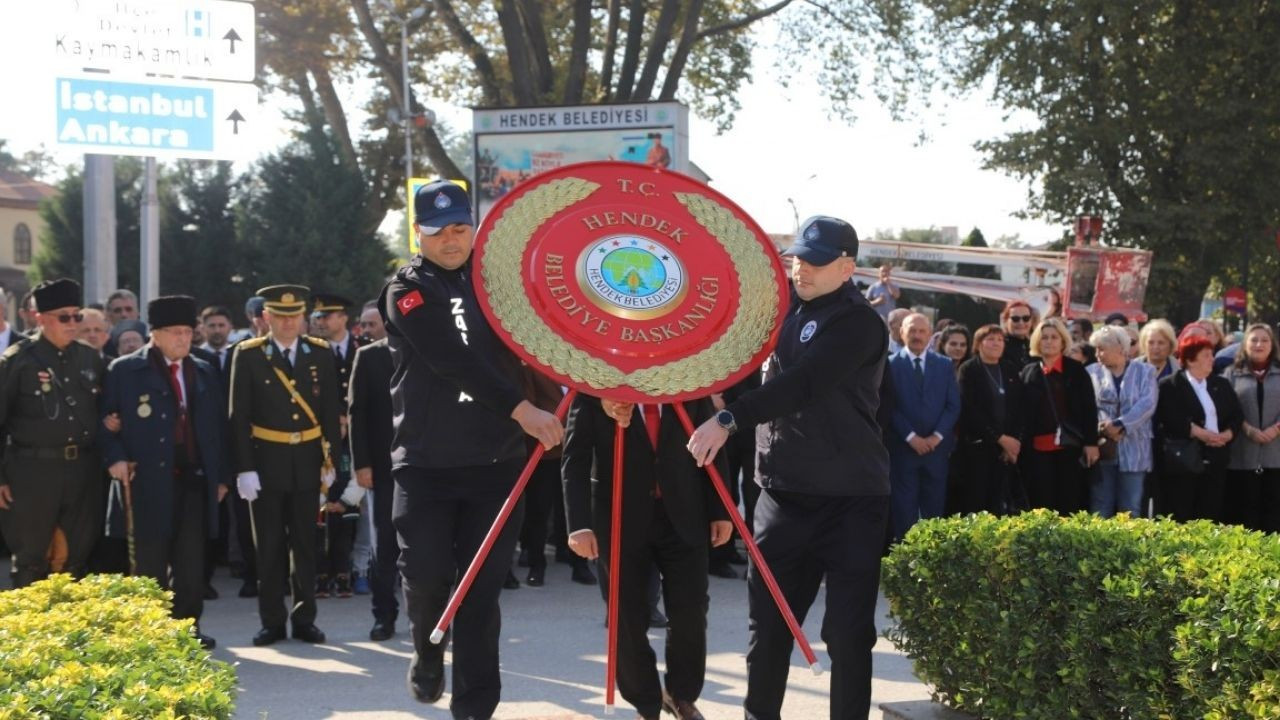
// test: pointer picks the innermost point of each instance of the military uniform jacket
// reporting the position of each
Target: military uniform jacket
(142, 395)
(49, 397)
(455, 384)
(816, 410)
(258, 398)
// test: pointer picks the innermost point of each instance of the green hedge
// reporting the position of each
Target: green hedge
(104, 647)
(1037, 616)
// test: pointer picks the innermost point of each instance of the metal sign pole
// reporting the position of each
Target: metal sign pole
(99, 200)
(149, 255)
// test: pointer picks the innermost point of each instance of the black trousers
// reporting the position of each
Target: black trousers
(334, 541)
(177, 562)
(441, 518)
(1193, 497)
(384, 575)
(740, 452)
(539, 502)
(49, 494)
(216, 548)
(1055, 480)
(684, 588)
(804, 538)
(286, 521)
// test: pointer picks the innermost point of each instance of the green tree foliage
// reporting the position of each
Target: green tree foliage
(1159, 115)
(202, 256)
(303, 218)
(524, 52)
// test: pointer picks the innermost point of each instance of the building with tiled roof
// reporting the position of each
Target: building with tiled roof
(20, 230)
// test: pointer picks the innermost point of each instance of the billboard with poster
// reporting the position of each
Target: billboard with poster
(514, 144)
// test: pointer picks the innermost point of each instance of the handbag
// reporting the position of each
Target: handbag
(1068, 435)
(1182, 456)
(1108, 450)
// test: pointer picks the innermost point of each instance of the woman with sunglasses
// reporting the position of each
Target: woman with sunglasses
(1017, 320)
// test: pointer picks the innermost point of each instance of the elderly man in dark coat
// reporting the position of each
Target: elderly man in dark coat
(169, 451)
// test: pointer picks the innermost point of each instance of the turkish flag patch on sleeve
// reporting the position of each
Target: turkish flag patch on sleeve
(409, 302)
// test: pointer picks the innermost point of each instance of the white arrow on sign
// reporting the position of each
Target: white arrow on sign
(166, 119)
(209, 39)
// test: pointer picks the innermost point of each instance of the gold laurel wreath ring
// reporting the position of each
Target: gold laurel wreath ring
(746, 335)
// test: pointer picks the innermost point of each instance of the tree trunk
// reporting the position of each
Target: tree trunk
(631, 53)
(657, 48)
(610, 49)
(519, 58)
(334, 115)
(688, 36)
(489, 86)
(531, 17)
(581, 44)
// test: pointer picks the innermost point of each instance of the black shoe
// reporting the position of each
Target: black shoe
(206, 642)
(722, 570)
(210, 593)
(511, 583)
(426, 685)
(537, 577)
(382, 631)
(308, 633)
(583, 575)
(342, 586)
(249, 589)
(322, 586)
(268, 636)
(657, 619)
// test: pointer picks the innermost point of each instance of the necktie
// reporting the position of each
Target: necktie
(651, 420)
(287, 361)
(174, 369)
(919, 371)
(337, 353)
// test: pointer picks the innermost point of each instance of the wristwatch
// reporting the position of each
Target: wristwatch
(724, 419)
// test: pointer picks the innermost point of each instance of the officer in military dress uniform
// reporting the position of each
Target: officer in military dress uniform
(284, 432)
(170, 451)
(49, 390)
(342, 501)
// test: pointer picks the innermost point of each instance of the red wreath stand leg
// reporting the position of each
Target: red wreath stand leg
(446, 619)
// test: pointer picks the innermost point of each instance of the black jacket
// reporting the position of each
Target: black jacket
(980, 420)
(1179, 408)
(688, 497)
(816, 410)
(369, 427)
(1080, 412)
(455, 384)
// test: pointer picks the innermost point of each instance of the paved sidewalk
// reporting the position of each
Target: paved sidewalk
(553, 660)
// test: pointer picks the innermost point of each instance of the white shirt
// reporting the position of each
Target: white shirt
(340, 348)
(291, 347)
(6, 337)
(1202, 394)
(221, 353)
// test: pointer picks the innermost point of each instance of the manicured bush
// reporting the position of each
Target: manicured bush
(1037, 616)
(104, 647)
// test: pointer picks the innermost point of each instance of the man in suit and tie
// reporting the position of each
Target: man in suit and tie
(169, 451)
(922, 435)
(369, 434)
(669, 510)
(284, 435)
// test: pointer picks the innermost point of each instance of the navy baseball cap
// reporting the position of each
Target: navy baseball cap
(822, 239)
(440, 204)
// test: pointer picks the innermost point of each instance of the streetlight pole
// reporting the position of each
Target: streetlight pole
(406, 109)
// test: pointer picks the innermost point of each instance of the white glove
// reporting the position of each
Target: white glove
(248, 485)
(326, 479)
(351, 495)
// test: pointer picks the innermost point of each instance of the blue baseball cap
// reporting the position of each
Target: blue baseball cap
(440, 204)
(822, 239)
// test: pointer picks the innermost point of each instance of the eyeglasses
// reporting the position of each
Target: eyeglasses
(65, 318)
(1020, 318)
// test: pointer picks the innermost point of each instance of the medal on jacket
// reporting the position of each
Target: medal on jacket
(144, 409)
(44, 377)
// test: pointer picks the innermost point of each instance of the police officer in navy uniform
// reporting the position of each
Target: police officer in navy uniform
(283, 439)
(457, 451)
(823, 470)
(170, 451)
(49, 474)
